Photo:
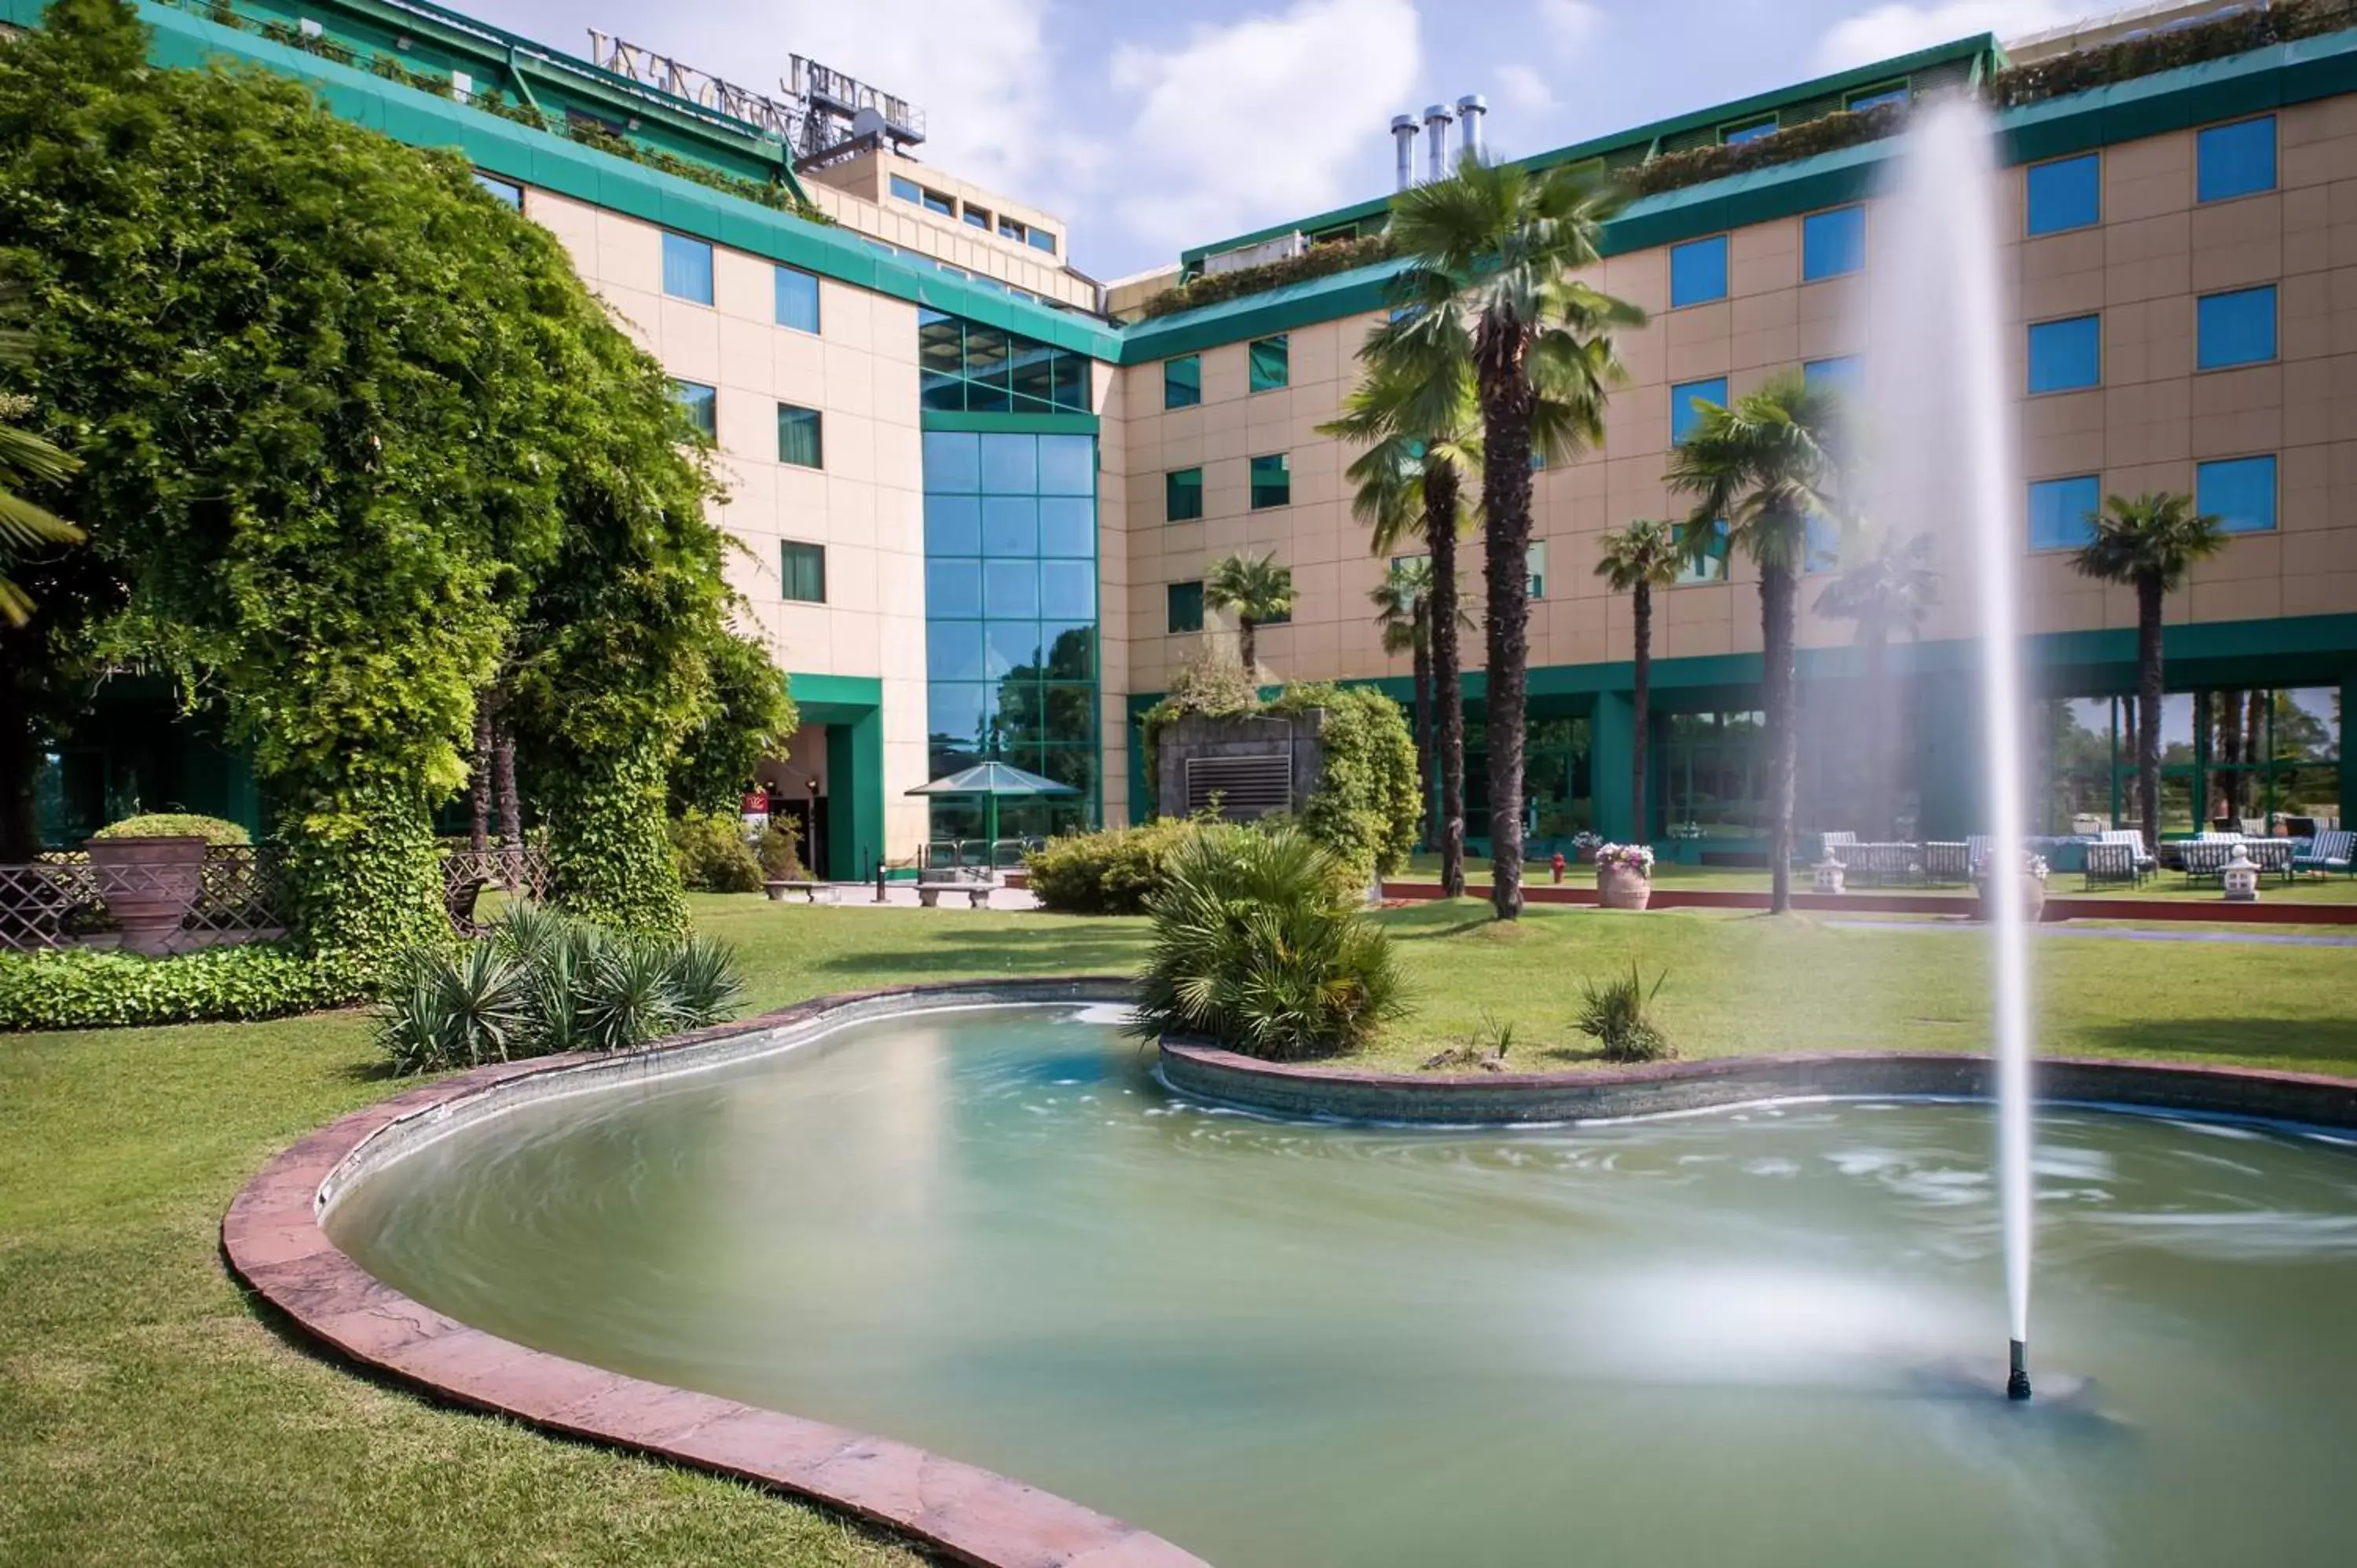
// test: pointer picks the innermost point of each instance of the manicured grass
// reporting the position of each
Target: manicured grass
(148, 1415)
(2170, 885)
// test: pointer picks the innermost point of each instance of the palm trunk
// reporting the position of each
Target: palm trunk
(1423, 715)
(1642, 602)
(1506, 404)
(2148, 595)
(2255, 749)
(503, 772)
(1250, 647)
(479, 789)
(1778, 590)
(2226, 742)
(1447, 671)
(20, 761)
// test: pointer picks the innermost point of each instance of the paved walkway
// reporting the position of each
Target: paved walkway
(903, 895)
(2121, 933)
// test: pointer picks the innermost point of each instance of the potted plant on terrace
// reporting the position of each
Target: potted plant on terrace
(149, 870)
(1624, 876)
(2033, 889)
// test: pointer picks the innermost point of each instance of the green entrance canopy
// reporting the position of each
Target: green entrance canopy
(991, 781)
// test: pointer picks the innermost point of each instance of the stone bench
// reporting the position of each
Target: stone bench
(977, 894)
(777, 890)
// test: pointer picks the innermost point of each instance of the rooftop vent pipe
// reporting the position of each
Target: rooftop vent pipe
(1436, 140)
(1404, 138)
(1471, 108)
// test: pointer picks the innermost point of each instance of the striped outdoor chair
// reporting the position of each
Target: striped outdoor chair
(2111, 864)
(2204, 859)
(2332, 849)
(2141, 857)
(1946, 862)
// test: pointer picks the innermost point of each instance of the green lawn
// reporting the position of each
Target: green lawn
(148, 1416)
(2170, 885)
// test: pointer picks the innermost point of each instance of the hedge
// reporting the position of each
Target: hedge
(90, 988)
(1317, 261)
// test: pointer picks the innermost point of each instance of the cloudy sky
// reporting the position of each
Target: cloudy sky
(1157, 126)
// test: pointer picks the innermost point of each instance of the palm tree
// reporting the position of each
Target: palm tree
(1489, 293)
(1892, 590)
(1638, 558)
(1258, 590)
(2148, 543)
(1764, 466)
(1424, 445)
(25, 458)
(1402, 602)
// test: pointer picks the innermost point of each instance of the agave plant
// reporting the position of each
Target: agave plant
(1256, 945)
(1616, 1014)
(457, 1010)
(706, 986)
(626, 995)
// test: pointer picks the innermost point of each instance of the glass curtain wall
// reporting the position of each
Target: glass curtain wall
(1011, 621)
(2227, 758)
(1559, 793)
(964, 367)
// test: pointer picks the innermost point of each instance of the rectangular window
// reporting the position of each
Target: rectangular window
(686, 268)
(2060, 511)
(1684, 415)
(1271, 365)
(1186, 608)
(1271, 481)
(1749, 131)
(1861, 99)
(1833, 243)
(1182, 495)
(936, 202)
(2234, 160)
(1698, 271)
(2066, 355)
(2238, 491)
(977, 217)
(907, 189)
(1535, 560)
(2237, 328)
(801, 571)
(1008, 228)
(1043, 240)
(1182, 381)
(700, 404)
(798, 438)
(2065, 194)
(1844, 373)
(506, 192)
(797, 303)
(1710, 566)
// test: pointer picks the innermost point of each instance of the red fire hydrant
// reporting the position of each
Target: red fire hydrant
(1556, 863)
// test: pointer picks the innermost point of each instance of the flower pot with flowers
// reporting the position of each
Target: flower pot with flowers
(1624, 876)
(2033, 889)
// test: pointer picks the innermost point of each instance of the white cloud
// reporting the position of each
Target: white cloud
(1267, 118)
(1524, 91)
(1569, 23)
(1895, 30)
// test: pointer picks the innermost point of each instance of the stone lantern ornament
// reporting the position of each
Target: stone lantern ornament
(2241, 878)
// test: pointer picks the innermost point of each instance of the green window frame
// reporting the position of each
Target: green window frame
(801, 571)
(800, 437)
(1182, 495)
(1184, 606)
(1182, 380)
(1748, 131)
(1271, 481)
(1271, 363)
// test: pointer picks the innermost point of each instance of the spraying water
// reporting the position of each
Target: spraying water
(1942, 458)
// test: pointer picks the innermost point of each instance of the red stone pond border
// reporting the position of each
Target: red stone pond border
(273, 1241)
(1960, 906)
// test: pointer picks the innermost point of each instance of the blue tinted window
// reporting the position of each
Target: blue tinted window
(1698, 271)
(957, 712)
(1833, 242)
(2060, 509)
(1011, 645)
(1684, 415)
(2065, 194)
(686, 268)
(954, 650)
(1751, 132)
(797, 299)
(1844, 373)
(952, 587)
(1875, 98)
(1010, 525)
(1068, 525)
(906, 190)
(1067, 590)
(1010, 589)
(2240, 492)
(1182, 381)
(1010, 465)
(508, 192)
(2065, 355)
(2236, 328)
(1068, 466)
(953, 525)
(2236, 160)
(952, 461)
(1040, 240)
(700, 404)
(1186, 608)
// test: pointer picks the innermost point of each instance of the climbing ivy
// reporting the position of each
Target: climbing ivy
(1367, 806)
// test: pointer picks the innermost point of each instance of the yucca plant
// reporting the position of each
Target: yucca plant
(627, 996)
(463, 1009)
(1617, 1014)
(1257, 945)
(706, 986)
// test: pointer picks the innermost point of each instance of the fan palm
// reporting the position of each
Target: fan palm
(1422, 437)
(1635, 560)
(1889, 591)
(1764, 466)
(1489, 295)
(2148, 543)
(1258, 590)
(25, 458)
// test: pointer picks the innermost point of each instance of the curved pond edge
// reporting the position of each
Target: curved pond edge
(273, 1241)
(1328, 1092)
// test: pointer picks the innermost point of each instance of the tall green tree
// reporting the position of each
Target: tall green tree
(1402, 602)
(1764, 466)
(1635, 560)
(1423, 435)
(25, 459)
(1258, 589)
(1886, 593)
(1489, 292)
(2148, 543)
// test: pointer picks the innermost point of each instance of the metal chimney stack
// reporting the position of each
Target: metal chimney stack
(1471, 108)
(1436, 140)
(1404, 138)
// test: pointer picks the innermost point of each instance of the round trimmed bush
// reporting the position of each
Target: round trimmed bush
(176, 824)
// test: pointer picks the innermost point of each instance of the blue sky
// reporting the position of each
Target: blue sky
(1155, 127)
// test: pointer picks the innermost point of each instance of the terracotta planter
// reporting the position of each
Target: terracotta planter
(2033, 901)
(149, 884)
(1620, 888)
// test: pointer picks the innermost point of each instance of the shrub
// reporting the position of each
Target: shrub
(542, 983)
(89, 988)
(176, 824)
(1369, 805)
(1111, 872)
(713, 855)
(1256, 945)
(1319, 261)
(781, 859)
(1615, 1016)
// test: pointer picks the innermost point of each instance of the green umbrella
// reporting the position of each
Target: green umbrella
(990, 780)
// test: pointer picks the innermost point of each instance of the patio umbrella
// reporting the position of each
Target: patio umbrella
(990, 780)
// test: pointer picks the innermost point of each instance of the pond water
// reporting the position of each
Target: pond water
(1727, 1338)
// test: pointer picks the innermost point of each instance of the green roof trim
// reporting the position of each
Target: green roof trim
(835, 691)
(1010, 424)
(1973, 49)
